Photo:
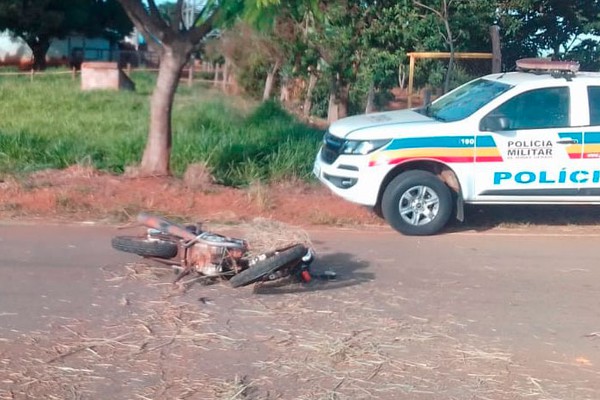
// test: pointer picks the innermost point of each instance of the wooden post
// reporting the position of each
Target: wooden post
(32, 73)
(411, 77)
(129, 69)
(74, 73)
(457, 56)
(496, 53)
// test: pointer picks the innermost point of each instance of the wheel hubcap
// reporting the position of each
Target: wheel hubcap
(419, 205)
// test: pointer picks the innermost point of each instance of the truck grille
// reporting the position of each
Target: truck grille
(332, 148)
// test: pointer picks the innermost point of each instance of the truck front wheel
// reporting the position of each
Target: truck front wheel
(417, 203)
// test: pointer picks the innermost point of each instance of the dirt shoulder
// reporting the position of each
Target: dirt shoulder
(79, 194)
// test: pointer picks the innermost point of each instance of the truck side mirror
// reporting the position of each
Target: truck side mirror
(494, 123)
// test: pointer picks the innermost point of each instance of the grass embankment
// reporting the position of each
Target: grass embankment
(51, 123)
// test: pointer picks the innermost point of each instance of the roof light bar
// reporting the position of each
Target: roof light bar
(546, 65)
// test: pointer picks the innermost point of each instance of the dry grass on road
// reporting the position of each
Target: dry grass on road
(314, 342)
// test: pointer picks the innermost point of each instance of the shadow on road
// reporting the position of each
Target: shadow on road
(482, 218)
(348, 272)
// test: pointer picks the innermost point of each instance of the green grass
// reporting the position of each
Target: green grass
(50, 123)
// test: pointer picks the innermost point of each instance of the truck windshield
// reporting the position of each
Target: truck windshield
(465, 100)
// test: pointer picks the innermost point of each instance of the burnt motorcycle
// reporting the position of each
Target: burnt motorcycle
(189, 249)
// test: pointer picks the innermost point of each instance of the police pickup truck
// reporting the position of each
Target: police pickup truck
(525, 137)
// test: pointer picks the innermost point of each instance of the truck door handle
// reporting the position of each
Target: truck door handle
(567, 141)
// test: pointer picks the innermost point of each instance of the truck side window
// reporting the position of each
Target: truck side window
(537, 109)
(594, 102)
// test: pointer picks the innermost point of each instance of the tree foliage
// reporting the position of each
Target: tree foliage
(553, 27)
(347, 51)
(362, 43)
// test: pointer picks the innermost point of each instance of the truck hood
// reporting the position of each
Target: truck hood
(355, 124)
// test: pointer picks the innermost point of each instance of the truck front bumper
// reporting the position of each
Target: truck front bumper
(351, 178)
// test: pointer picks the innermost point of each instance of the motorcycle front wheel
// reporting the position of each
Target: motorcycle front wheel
(264, 268)
(144, 247)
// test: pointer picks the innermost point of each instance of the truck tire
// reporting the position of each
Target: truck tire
(144, 247)
(417, 203)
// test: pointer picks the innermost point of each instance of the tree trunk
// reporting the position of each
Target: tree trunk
(370, 99)
(496, 49)
(451, 61)
(449, 72)
(332, 110)
(155, 161)
(217, 74)
(270, 81)
(401, 75)
(226, 72)
(284, 94)
(343, 101)
(39, 48)
(339, 95)
(312, 82)
(556, 55)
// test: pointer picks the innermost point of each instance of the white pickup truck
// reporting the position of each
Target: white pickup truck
(525, 137)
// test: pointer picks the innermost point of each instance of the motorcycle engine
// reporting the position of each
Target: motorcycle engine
(212, 260)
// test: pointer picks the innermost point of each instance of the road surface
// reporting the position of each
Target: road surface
(501, 314)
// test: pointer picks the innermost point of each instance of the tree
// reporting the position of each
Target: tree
(443, 14)
(175, 42)
(339, 43)
(460, 19)
(249, 49)
(532, 27)
(37, 22)
(283, 28)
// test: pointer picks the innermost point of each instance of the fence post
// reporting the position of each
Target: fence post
(225, 75)
(74, 73)
(191, 72)
(411, 73)
(216, 77)
(32, 73)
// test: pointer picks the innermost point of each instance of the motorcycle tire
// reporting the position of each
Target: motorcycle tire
(144, 247)
(265, 267)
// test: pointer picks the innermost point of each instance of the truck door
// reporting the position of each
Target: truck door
(590, 148)
(521, 148)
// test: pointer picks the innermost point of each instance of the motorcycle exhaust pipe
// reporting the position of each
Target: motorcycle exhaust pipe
(161, 224)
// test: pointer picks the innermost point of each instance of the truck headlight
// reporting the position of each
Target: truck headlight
(363, 147)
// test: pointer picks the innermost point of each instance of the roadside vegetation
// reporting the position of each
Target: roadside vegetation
(51, 123)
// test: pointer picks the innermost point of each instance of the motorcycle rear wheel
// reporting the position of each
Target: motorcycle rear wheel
(269, 265)
(144, 247)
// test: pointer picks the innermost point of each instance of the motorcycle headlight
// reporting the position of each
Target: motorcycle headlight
(363, 147)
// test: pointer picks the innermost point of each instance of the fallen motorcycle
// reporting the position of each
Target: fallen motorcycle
(190, 249)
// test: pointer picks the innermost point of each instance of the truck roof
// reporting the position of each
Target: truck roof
(519, 78)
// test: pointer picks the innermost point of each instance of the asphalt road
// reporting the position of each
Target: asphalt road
(534, 293)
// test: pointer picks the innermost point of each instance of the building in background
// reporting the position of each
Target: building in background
(71, 50)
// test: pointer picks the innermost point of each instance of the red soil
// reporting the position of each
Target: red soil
(79, 193)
